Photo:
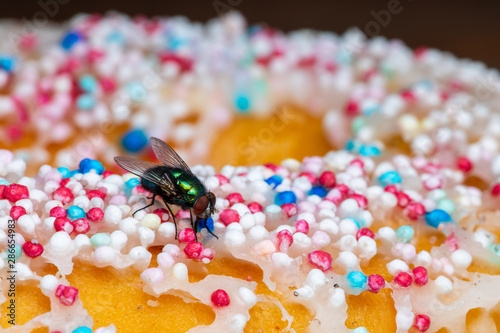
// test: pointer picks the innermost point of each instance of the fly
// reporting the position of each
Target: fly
(173, 182)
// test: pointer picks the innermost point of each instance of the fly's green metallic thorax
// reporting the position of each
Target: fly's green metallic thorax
(190, 185)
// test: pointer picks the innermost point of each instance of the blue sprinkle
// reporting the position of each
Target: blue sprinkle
(70, 39)
(132, 182)
(7, 63)
(88, 83)
(350, 145)
(115, 37)
(285, 197)
(274, 181)
(369, 150)
(4, 182)
(86, 165)
(207, 224)
(357, 281)
(82, 329)
(174, 43)
(75, 213)
(85, 102)
(389, 178)
(359, 330)
(405, 233)
(320, 191)
(134, 141)
(436, 217)
(242, 103)
(64, 172)
(358, 224)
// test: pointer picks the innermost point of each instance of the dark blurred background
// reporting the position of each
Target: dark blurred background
(469, 29)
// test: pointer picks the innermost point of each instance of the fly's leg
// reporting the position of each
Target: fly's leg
(151, 204)
(210, 231)
(173, 217)
(194, 225)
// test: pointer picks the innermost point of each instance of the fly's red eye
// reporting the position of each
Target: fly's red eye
(201, 205)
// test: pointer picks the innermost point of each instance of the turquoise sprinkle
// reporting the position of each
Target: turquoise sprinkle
(4, 182)
(115, 37)
(65, 172)
(137, 91)
(371, 109)
(82, 329)
(357, 124)
(85, 102)
(132, 182)
(447, 205)
(242, 103)
(389, 178)
(285, 197)
(437, 194)
(344, 56)
(436, 217)
(405, 233)
(87, 165)
(18, 250)
(88, 83)
(274, 181)
(369, 150)
(75, 213)
(100, 239)
(351, 145)
(496, 249)
(360, 330)
(357, 281)
(386, 69)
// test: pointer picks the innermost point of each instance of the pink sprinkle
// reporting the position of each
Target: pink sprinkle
(420, 274)
(222, 179)
(15, 192)
(375, 283)
(403, 279)
(464, 164)
(163, 214)
(64, 181)
(358, 163)
(58, 211)
(193, 250)
(352, 108)
(95, 214)
(422, 322)
(391, 189)
(106, 174)
(207, 253)
(66, 294)
(420, 52)
(290, 209)
(344, 189)
(271, 166)
(309, 176)
(255, 207)
(452, 242)
(187, 236)
(327, 179)
(96, 193)
(32, 248)
(320, 259)
(403, 199)
(360, 199)
(63, 194)
(302, 226)
(81, 226)
(408, 96)
(228, 216)
(181, 214)
(334, 196)
(234, 198)
(108, 85)
(284, 239)
(220, 298)
(414, 210)
(63, 224)
(495, 191)
(17, 211)
(365, 232)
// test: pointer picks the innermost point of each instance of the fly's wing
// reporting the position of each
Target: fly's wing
(167, 155)
(148, 171)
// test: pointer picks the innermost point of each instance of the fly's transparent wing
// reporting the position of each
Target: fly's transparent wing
(149, 171)
(167, 155)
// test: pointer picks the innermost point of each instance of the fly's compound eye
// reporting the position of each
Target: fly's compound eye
(201, 205)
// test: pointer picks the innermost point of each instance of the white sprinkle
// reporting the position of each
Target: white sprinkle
(234, 238)
(461, 258)
(118, 240)
(138, 253)
(104, 255)
(23, 271)
(180, 271)
(165, 260)
(445, 286)
(326, 213)
(60, 241)
(338, 297)
(247, 296)
(397, 266)
(238, 322)
(128, 225)
(51, 204)
(284, 227)
(348, 227)
(305, 292)
(48, 284)
(404, 318)
(260, 218)
(348, 208)
(258, 232)
(26, 204)
(387, 233)
(146, 235)
(27, 224)
(112, 214)
(152, 275)
(301, 240)
(242, 209)
(82, 241)
(320, 239)
(234, 226)
(167, 230)
(48, 224)
(82, 201)
(388, 200)
(303, 184)
(329, 226)
(316, 278)
(38, 196)
(247, 221)
(423, 259)
(348, 259)
(171, 249)
(281, 259)
(309, 217)
(367, 247)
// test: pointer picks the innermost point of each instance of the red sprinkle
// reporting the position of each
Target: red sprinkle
(228, 216)
(2, 191)
(255, 207)
(96, 193)
(391, 189)
(222, 179)
(284, 239)
(290, 209)
(58, 211)
(495, 191)
(320, 259)
(193, 250)
(360, 199)
(464, 164)
(344, 190)
(358, 163)
(32, 248)
(15, 192)
(271, 166)
(17, 211)
(186, 236)
(234, 198)
(63, 194)
(352, 108)
(420, 274)
(403, 279)
(162, 213)
(95, 214)
(66, 294)
(64, 181)
(220, 298)
(310, 177)
(328, 179)
(63, 224)
(375, 283)
(81, 226)
(302, 226)
(365, 232)
(403, 199)
(107, 173)
(422, 322)
(414, 210)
